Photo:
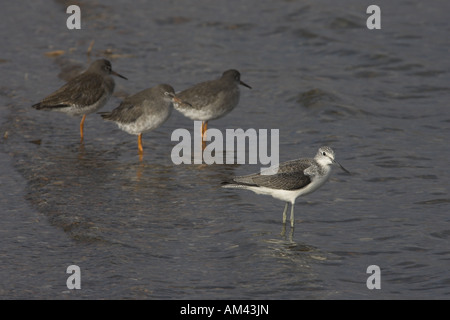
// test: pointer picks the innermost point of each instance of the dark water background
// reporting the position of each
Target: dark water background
(154, 230)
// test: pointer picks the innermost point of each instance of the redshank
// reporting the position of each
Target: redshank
(144, 111)
(212, 99)
(86, 93)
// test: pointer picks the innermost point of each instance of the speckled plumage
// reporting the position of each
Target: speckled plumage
(84, 94)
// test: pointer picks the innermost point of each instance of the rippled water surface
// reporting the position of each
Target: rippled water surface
(155, 230)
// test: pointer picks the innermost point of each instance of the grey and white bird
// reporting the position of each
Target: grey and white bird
(212, 99)
(84, 94)
(144, 111)
(290, 179)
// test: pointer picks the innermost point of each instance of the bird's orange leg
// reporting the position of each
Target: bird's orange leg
(82, 127)
(141, 149)
(204, 128)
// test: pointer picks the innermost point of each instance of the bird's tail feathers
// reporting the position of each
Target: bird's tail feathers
(105, 114)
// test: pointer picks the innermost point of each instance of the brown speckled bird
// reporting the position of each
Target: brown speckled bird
(84, 94)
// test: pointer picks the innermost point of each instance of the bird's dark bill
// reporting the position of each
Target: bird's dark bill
(244, 84)
(180, 102)
(119, 75)
(345, 170)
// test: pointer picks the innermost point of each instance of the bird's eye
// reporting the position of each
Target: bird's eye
(324, 153)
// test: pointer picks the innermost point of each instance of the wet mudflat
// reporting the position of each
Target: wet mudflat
(155, 230)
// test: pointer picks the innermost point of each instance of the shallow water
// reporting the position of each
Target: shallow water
(154, 230)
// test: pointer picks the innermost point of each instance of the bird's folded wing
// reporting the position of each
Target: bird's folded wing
(289, 176)
(200, 95)
(124, 113)
(82, 91)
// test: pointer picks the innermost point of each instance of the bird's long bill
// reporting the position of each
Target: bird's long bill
(178, 100)
(119, 75)
(244, 84)
(345, 170)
